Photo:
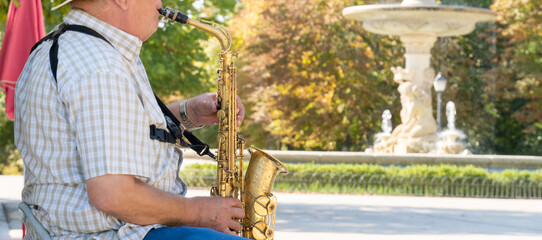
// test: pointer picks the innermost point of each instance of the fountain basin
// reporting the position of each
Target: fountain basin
(418, 23)
(436, 20)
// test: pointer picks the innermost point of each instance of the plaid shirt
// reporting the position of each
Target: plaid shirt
(93, 121)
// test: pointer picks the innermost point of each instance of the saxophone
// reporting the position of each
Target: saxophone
(254, 190)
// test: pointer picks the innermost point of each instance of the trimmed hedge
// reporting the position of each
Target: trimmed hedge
(441, 180)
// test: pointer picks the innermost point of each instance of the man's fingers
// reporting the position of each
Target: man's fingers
(240, 112)
(234, 202)
(225, 230)
(235, 225)
(238, 213)
(238, 102)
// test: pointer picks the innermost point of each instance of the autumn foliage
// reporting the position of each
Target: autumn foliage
(315, 80)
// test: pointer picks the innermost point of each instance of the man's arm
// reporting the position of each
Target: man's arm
(131, 200)
(201, 110)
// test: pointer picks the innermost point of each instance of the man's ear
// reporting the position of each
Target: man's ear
(122, 4)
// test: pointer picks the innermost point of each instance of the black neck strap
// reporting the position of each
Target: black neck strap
(175, 134)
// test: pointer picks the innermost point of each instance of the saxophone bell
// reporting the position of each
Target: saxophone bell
(260, 204)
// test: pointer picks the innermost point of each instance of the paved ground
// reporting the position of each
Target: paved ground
(10, 196)
(319, 216)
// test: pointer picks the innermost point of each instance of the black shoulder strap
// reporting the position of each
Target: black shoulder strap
(174, 133)
(173, 123)
(62, 28)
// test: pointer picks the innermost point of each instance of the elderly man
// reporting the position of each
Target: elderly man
(83, 110)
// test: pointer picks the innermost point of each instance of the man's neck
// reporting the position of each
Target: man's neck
(106, 11)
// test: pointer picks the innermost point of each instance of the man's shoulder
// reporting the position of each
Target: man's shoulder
(83, 47)
(81, 55)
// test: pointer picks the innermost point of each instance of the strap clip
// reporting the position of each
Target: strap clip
(161, 135)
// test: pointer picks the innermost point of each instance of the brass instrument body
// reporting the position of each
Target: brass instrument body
(259, 203)
(254, 190)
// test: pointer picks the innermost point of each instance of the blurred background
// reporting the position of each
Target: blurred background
(313, 80)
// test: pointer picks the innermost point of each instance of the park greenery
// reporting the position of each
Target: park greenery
(420, 180)
(313, 80)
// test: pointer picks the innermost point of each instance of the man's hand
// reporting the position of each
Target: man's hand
(202, 109)
(219, 213)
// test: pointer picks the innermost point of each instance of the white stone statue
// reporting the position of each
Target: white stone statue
(417, 127)
(401, 75)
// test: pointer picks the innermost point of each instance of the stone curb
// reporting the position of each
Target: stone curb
(10, 220)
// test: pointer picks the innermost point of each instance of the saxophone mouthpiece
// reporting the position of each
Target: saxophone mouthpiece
(173, 15)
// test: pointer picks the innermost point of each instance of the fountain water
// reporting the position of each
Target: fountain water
(450, 115)
(418, 24)
(386, 122)
(386, 130)
(450, 139)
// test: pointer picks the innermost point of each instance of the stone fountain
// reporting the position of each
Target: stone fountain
(418, 23)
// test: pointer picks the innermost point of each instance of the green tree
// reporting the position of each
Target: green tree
(177, 57)
(313, 79)
(10, 160)
(519, 74)
(495, 79)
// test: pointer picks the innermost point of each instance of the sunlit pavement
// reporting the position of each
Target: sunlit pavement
(326, 216)
(315, 216)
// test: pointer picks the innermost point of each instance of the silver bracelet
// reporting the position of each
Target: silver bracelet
(184, 117)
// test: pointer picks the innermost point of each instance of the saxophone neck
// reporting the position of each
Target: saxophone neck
(217, 30)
